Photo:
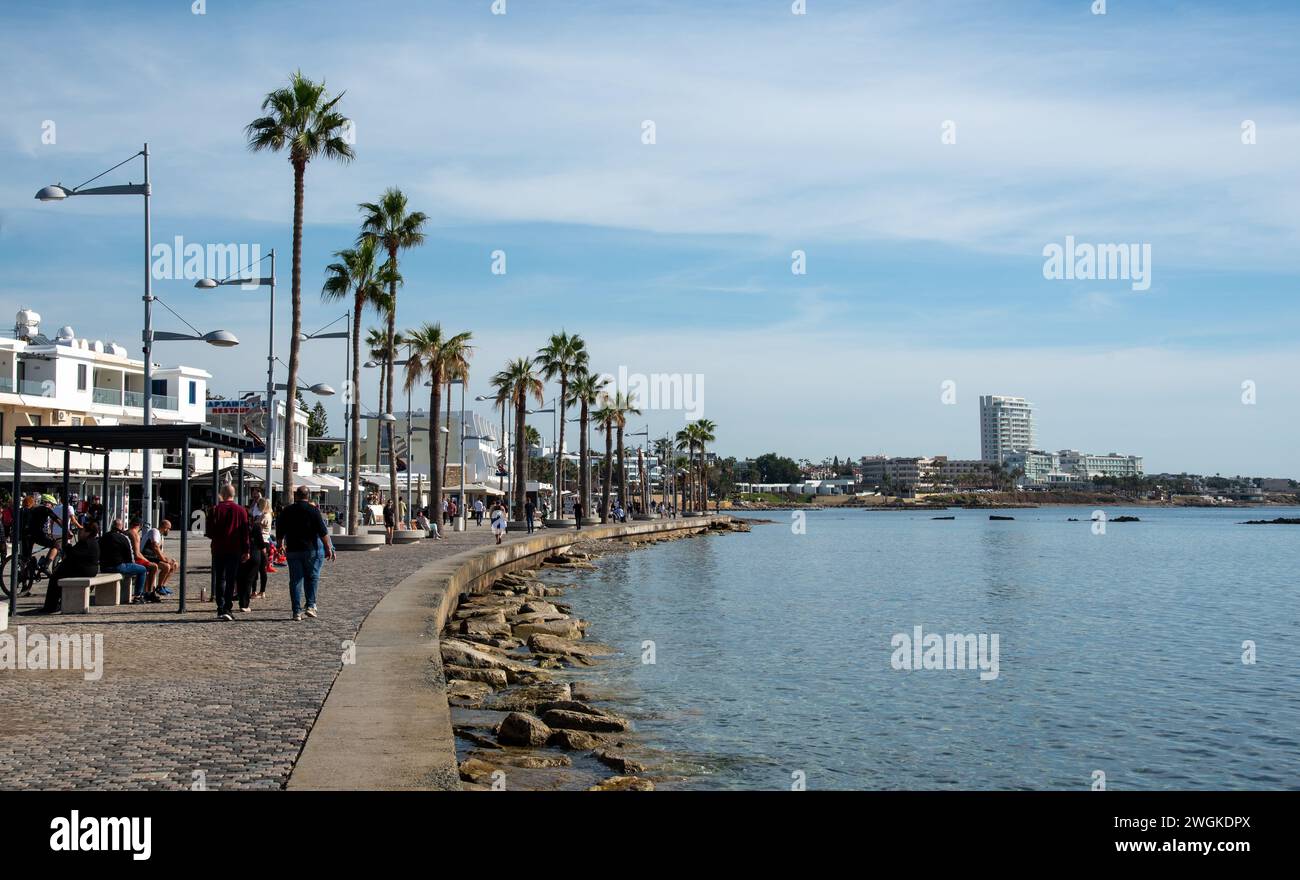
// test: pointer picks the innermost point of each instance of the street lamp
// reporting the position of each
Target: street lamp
(349, 401)
(58, 192)
(247, 282)
(645, 499)
(555, 435)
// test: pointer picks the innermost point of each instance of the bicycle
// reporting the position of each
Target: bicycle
(29, 571)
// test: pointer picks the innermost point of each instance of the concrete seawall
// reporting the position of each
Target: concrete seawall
(386, 724)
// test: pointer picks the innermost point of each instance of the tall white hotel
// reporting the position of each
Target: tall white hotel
(1006, 425)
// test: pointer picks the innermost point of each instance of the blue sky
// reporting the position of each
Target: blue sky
(774, 133)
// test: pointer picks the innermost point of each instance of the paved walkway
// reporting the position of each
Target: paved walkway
(187, 695)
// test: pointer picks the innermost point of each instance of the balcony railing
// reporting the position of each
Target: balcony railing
(136, 399)
(110, 396)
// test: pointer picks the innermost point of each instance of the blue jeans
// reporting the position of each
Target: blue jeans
(304, 574)
(139, 572)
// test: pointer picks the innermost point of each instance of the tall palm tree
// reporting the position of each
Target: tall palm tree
(565, 357)
(394, 228)
(624, 406)
(585, 390)
(356, 274)
(704, 434)
(680, 464)
(515, 384)
(432, 354)
(606, 417)
(455, 372)
(303, 118)
(685, 441)
(663, 448)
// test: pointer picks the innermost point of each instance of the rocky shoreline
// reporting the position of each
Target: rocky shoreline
(523, 716)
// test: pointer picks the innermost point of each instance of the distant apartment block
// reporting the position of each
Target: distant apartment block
(1006, 425)
(1087, 466)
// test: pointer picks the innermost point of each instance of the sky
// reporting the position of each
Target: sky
(920, 156)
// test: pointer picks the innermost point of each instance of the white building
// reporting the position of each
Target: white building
(1112, 464)
(1006, 425)
(480, 455)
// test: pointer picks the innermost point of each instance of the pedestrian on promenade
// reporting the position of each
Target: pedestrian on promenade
(478, 511)
(116, 557)
(390, 521)
(77, 561)
(228, 530)
(577, 515)
(498, 521)
(305, 539)
(530, 511)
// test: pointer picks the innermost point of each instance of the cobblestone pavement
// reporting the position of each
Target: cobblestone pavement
(186, 697)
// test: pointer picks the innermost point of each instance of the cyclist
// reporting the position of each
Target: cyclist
(38, 528)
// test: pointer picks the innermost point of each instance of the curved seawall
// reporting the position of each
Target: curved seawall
(386, 724)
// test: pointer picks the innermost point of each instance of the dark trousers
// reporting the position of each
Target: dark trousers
(248, 575)
(225, 568)
(530, 523)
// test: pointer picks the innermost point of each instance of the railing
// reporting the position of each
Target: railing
(6, 384)
(133, 398)
(162, 401)
(36, 387)
(110, 396)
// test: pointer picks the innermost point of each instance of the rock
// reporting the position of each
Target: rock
(458, 653)
(549, 662)
(525, 699)
(467, 611)
(477, 739)
(495, 679)
(570, 706)
(486, 625)
(618, 762)
(541, 643)
(623, 783)
(531, 762)
(552, 591)
(537, 607)
(565, 629)
(528, 675)
(466, 689)
(504, 643)
(522, 729)
(1125, 519)
(477, 770)
(569, 720)
(536, 617)
(575, 740)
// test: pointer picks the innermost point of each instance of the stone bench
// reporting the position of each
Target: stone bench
(76, 592)
(408, 536)
(357, 542)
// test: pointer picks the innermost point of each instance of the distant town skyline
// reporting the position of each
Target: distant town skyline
(919, 172)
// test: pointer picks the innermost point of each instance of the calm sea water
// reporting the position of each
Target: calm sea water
(1119, 652)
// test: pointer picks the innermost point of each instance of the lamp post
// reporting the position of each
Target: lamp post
(58, 192)
(555, 434)
(266, 281)
(645, 499)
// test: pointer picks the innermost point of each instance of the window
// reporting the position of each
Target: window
(81, 377)
(160, 387)
(194, 393)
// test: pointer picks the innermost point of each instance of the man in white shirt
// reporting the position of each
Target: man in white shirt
(478, 511)
(152, 549)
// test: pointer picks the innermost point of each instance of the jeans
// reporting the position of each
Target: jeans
(304, 575)
(225, 570)
(132, 570)
(530, 523)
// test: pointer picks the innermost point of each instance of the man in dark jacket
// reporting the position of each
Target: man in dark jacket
(228, 529)
(305, 540)
(79, 560)
(116, 556)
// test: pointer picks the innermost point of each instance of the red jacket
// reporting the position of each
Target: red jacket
(228, 529)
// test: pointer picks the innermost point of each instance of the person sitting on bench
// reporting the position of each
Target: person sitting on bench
(79, 560)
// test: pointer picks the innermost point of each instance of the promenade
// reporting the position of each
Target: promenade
(186, 698)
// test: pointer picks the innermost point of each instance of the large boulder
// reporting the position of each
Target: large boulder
(494, 679)
(477, 770)
(529, 761)
(618, 761)
(458, 653)
(522, 729)
(486, 625)
(541, 643)
(570, 720)
(575, 740)
(527, 698)
(623, 783)
(565, 629)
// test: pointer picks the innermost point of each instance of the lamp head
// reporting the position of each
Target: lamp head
(206, 283)
(220, 338)
(320, 388)
(52, 193)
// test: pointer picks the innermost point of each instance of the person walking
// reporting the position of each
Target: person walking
(577, 516)
(302, 534)
(77, 561)
(498, 521)
(390, 521)
(228, 530)
(530, 510)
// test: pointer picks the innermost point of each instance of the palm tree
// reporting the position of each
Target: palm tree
(389, 224)
(625, 407)
(704, 434)
(685, 441)
(432, 354)
(301, 117)
(663, 448)
(563, 356)
(515, 384)
(606, 418)
(356, 274)
(585, 389)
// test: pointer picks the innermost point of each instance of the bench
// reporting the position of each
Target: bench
(76, 592)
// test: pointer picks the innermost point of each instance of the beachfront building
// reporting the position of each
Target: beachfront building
(246, 416)
(1035, 465)
(962, 472)
(1087, 466)
(1006, 426)
(481, 456)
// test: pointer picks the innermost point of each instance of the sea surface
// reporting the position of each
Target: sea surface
(1118, 653)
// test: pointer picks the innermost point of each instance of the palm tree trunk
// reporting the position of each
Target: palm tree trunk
(291, 397)
(354, 447)
(584, 459)
(389, 367)
(521, 456)
(435, 405)
(704, 482)
(446, 447)
(622, 472)
(559, 450)
(608, 474)
(640, 469)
